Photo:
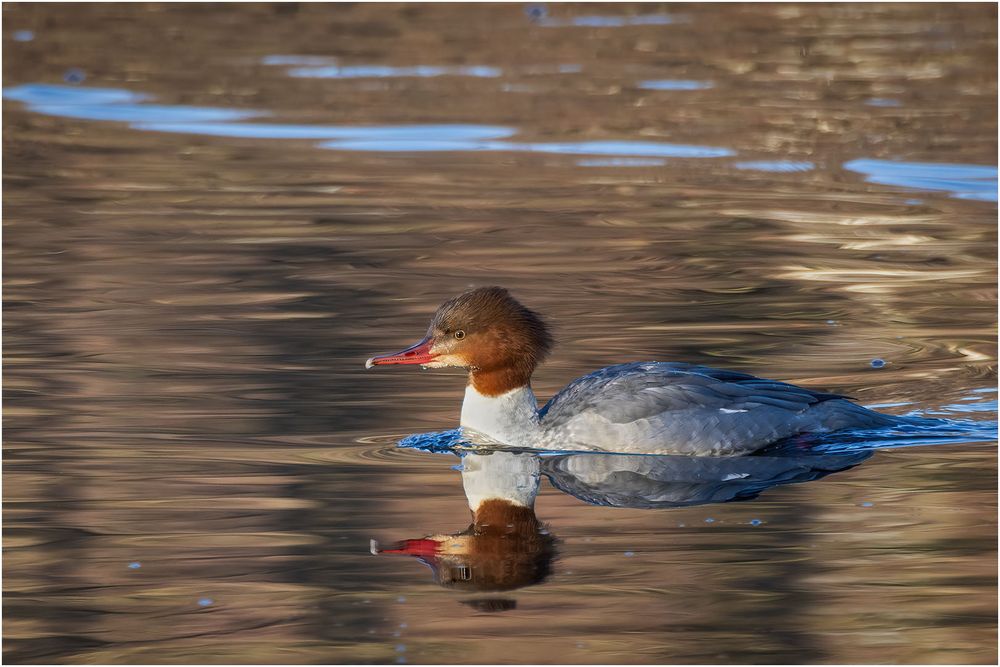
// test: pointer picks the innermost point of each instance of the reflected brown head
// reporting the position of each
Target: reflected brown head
(506, 547)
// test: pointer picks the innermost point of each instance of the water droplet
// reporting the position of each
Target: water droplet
(629, 554)
(74, 75)
(400, 648)
(134, 565)
(832, 323)
(205, 602)
(709, 520)
(682, 525)
(878, 363)
(868, 503)
(404, 625)
(755, 522)
(23, 36)
(401, 598)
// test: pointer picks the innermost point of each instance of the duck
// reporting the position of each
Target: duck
(639, 407)
(506, 546)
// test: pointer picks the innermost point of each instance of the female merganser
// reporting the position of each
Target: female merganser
(646, 407)
(506, 546)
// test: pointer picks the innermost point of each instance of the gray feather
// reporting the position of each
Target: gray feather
(630, 392)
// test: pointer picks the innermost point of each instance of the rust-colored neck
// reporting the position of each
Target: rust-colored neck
(501, 380)
(505, 515)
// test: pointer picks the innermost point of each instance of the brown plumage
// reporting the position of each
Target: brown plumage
(506, 547)
(502, 341)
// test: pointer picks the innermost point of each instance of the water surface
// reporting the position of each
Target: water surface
(202, 248)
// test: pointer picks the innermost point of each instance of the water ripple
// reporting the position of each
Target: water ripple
(618, 148)
(675, 84)
(777, 166)
(963, 181)
(109, 104)
(605, 21)
(385, 71)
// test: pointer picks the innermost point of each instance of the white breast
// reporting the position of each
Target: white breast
(510, 418)
(501, 475)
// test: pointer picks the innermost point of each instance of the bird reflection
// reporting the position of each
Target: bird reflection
(647, 482)
(507, 547)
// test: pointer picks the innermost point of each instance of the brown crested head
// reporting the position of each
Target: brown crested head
(489, 332)
(485, 330)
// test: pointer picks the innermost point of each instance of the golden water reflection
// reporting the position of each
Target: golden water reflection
(187, 318)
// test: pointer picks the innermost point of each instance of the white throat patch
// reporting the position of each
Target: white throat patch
(510, 418)
(500, 475)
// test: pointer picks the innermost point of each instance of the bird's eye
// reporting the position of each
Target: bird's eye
(459, 334)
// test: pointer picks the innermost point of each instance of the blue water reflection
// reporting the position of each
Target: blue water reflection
(778, 166)
(675, 84)
(596, 21)
(624, 148)
(616, 148)
(883, 102)
(622, 162)
(436, 134)
(963, 181)
(39, 94)
(110, 104)
(385, 71)
(298, 61)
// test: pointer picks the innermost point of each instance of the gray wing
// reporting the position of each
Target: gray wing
(658, 407)
(622, 480)
(630, 392)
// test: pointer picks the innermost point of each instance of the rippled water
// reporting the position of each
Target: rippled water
(214, 214)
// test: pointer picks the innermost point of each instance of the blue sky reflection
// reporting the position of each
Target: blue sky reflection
(675, 84)
(385, 71)
(777, 166)
(596, 21)
(614, 148)
(110, 104)
(963, 181)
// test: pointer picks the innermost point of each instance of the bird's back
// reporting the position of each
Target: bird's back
(659, 407)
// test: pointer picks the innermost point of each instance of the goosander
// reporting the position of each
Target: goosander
(645, 407)
(657, 482)
(506, 547)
